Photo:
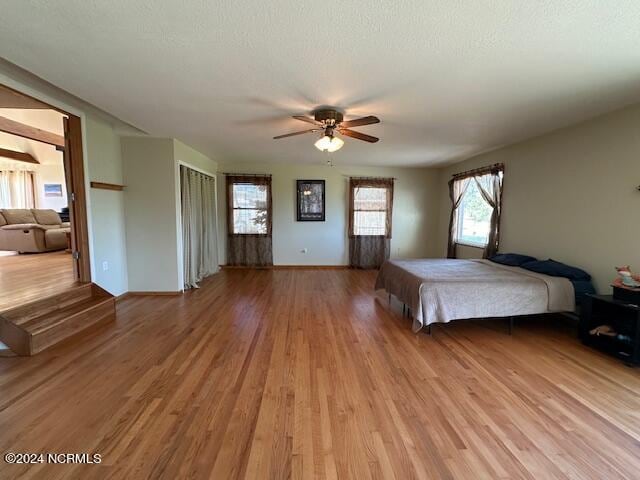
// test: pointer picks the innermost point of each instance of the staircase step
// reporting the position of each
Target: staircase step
(55, 319)
(41, 324)
(49, 331)
(38, 308)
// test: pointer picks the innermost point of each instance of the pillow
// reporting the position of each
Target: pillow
(16, 216)
(46, 217)
(556, 269)
(3, 222)
(512, 259)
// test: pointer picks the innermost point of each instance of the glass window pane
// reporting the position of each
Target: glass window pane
(369, 223)
(250, 221)
(474, 217)
(370, 198)
(246, 195)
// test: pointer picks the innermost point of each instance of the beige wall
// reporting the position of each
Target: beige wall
(189, 156)
(152, 210)
(104, 162)
(414, 212)
(570, 195)
(150, 214)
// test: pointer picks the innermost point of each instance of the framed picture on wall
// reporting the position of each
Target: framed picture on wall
(310, 199)
(52, 190)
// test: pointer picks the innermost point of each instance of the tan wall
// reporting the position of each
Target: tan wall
(570, 195)
(152, 210)
(414, 212)
(150, 218)
(104, 164)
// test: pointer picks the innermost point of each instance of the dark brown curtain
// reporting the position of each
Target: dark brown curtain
(489, 181)
(370, 250)
(249, 249)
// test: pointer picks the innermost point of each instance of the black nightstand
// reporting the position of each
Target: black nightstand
(622, 316)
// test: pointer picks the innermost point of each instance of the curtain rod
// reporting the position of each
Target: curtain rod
(198, 171)
(374, 178)
(488, 168)
(248, 174)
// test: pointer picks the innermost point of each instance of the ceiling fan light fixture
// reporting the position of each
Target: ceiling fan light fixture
(329, 144)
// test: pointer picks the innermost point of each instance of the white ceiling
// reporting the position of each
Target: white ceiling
(448, 79)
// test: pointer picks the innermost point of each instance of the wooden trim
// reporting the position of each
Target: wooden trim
(10, 98)
(122, 296)
(107, 186)
(20, 129)
(286, 267)
(74, 171)
(309, 267)
(19, 156)
(30, 100)
(153, 294)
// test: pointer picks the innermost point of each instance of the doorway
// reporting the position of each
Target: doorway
(44, 248)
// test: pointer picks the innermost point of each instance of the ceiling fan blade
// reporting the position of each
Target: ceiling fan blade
(358, 135)
(295, 133)
(358, 122)
(306, 119)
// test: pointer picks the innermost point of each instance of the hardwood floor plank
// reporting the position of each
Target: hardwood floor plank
(31, 276)
(310, 374)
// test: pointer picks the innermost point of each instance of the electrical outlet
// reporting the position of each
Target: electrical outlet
(105, 266)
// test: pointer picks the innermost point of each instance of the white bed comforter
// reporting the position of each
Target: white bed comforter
(441, 290)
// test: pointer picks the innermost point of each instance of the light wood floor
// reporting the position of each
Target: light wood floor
(27, 277)
(309, 374)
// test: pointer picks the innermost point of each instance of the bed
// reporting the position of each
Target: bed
(442, 290)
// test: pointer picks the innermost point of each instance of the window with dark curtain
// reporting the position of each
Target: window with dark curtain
(370, 214)
(476, 207)
(249, 223)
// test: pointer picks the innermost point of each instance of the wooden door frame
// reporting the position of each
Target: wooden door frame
(73, 158)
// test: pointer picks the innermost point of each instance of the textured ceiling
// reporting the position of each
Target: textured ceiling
(447, 78)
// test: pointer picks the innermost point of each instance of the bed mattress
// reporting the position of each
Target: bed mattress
(442, 290)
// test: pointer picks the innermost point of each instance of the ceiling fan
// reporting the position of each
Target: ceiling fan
(330, 122)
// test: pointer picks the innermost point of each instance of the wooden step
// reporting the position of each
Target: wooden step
(31, 328)
(37, 308)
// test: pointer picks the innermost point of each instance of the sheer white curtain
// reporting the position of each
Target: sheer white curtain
(16, 189)
(490, 186)
(200, 258)
(457, 187)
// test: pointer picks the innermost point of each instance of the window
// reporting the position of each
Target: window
(371, 202)
(474, 213)
(369, 211)
(249, 202)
